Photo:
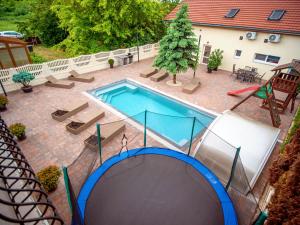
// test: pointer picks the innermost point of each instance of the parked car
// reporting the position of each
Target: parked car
(12, 34)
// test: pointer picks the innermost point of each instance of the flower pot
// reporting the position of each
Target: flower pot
(3, 108)
(111, 66)
(22, 137)
(209, 70)
(27, 89)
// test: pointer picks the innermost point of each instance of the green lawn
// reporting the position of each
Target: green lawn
(8, 25)
(9, 22)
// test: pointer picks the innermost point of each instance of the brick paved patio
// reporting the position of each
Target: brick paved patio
(48, 142)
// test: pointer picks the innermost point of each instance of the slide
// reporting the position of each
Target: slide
(237, 92)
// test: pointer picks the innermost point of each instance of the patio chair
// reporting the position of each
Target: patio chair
(159, 76)
(84, 121)
(259, 77)
(108, 132)
(191, 86)
(67, 111)
(148, 73)
(248, 68)
(85, 77)
(53, 82)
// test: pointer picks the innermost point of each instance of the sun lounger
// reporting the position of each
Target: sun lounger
(69, 110)
(191, 86)
(53, 82)
(148, 73)
(108, 132)
(85, 77)
(159, 76)
(84, 121)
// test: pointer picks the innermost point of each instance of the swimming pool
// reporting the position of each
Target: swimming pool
(167, 117)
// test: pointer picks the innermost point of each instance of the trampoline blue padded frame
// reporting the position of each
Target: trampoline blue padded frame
(229, 213)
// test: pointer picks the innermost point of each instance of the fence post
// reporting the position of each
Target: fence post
(233, 167)
(145, 129)
(99, 142)
(192, 134)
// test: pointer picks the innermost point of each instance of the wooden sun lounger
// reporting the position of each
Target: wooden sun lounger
(67, 111)
(108, 132)
(85, 77)
(53, 82)
(84, 121)
(148, 73)
(191, 86)
(159, 76)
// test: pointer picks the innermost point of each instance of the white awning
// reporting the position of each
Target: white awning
(230, 131)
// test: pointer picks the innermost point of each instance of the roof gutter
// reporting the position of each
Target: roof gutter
(297, 33)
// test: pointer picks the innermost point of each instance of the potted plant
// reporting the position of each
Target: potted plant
(49, 177)
(211, 64)
(111, 63)
(3, 103)
(18, 129)
(24, 78)
(217, 54)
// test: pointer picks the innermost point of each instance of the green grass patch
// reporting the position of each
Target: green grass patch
(8, 25)
(294, 127)
(49, 54)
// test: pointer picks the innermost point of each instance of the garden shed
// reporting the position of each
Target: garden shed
(13, 53)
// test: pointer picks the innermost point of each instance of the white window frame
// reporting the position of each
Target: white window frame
(235, 56)
(265, 61)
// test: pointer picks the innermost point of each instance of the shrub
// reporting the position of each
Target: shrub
(23, 78)
(3, 100)
(284, 207)
(212, 63)
(17, 129)
(37, 58)
(295, 126)
(49, 177)
(217, 54)
(111, 62)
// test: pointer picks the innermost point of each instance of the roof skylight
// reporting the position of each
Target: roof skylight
(232, 13)
(276, 14)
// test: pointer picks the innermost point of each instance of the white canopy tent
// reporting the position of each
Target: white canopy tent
(227, 133)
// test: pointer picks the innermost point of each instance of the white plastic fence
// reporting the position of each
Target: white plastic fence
(84, 63)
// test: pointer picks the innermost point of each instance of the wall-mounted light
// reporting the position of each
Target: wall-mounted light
(241, 37)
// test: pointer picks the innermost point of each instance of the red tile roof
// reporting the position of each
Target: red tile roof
(253, 14)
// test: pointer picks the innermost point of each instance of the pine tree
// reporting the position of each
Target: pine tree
(178, 48)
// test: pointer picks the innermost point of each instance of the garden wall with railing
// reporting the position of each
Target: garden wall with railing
(84, 63)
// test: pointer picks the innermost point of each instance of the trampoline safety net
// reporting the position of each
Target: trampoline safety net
(183, 134)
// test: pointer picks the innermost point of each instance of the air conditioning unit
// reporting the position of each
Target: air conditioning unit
(251, 35)
(274, 38)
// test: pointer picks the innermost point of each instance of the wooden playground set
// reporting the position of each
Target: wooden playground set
(284, 82)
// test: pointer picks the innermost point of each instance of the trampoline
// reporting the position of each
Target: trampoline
(158, 186)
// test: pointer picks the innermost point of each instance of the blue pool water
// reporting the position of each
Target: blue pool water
(166, 117)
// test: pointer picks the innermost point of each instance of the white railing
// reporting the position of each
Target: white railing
(85, 63)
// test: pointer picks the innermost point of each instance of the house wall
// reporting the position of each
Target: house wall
(228, 41)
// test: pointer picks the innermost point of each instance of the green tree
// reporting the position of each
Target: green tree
(178, 49)
(93, 25)
(43, 23)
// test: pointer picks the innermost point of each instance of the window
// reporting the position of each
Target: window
(276, 14)
(232, 13)
(237, 53)
(268, 59)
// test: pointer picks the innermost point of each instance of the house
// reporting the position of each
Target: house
(256, 33)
